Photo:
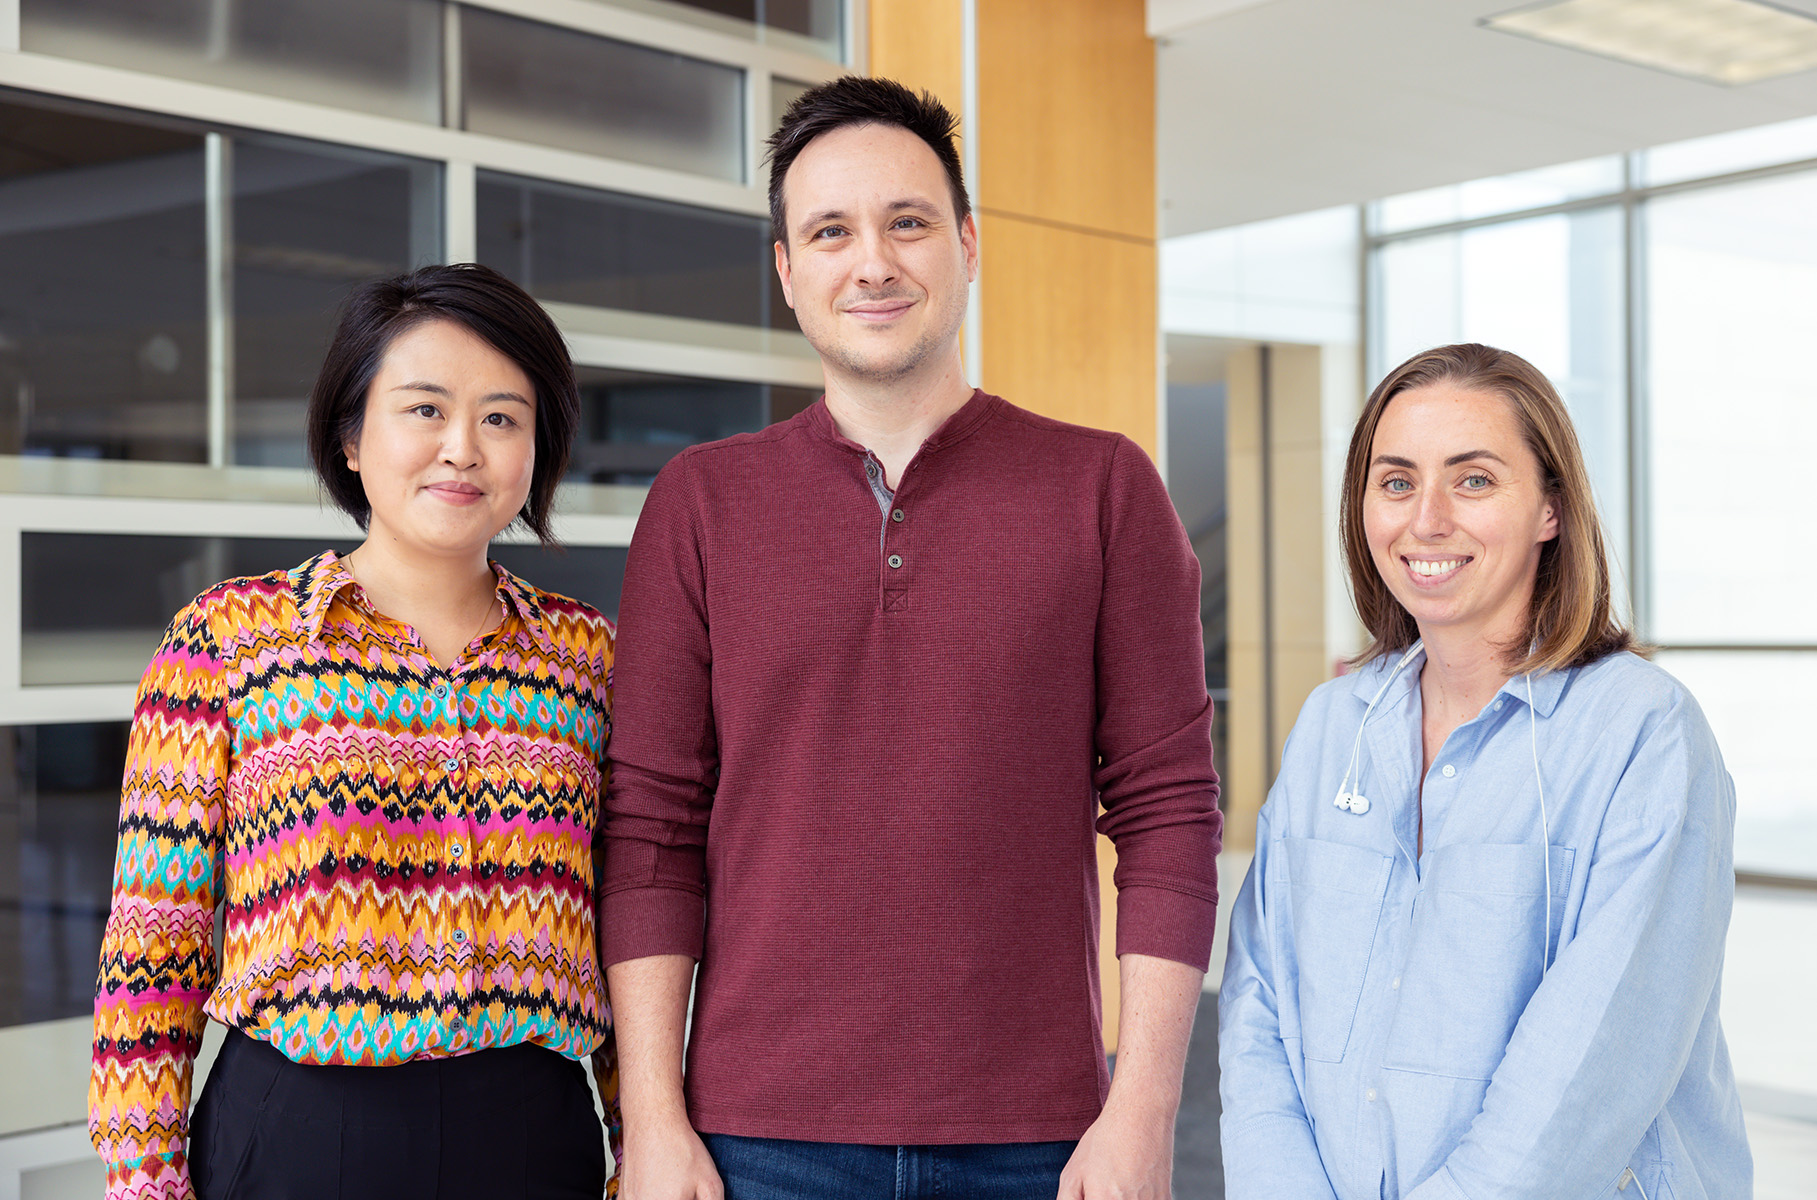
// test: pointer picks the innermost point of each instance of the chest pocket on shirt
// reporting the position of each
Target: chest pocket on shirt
(1336, 895)
(1473, 959)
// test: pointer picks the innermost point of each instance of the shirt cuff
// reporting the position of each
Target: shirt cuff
(154, 1177)
(644, 922)
(1166, 924)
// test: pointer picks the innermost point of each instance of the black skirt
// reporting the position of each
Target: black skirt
(517, 1122)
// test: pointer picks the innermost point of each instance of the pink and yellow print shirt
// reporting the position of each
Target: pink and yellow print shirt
(404, 853)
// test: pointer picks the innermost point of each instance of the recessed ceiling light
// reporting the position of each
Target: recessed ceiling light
(1723, 41)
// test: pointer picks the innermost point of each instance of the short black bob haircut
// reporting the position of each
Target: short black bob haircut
(861, 100)
(490, 307)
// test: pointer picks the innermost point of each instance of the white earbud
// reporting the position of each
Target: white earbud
(1356, 802)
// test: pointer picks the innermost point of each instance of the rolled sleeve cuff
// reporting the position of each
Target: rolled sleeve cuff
(1166, 924)
(647, 921)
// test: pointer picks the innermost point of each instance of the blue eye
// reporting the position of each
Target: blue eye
(1396, 487)
(1477, 483)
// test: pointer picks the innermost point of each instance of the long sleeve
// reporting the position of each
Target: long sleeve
(1606, 1038)
(664, 749)
(157, 955)
(605, 1058)
(1155, 776)
(1268, 1144)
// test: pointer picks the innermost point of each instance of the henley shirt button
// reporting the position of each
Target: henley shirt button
(895, 560)
(1449, 770)
(896, 515)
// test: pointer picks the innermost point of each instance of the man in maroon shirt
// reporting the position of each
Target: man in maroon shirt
(878, 665)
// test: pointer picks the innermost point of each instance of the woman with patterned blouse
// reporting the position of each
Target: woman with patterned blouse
(383, 773)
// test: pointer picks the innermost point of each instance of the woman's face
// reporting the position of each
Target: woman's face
(448, 446)
(1455, 511)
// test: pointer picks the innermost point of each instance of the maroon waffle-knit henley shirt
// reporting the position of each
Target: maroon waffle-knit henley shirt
(855, 773)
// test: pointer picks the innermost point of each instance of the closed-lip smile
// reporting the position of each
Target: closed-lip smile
(878, 310)
(455, 491)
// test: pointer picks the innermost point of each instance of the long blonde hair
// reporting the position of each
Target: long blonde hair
(1571, 619)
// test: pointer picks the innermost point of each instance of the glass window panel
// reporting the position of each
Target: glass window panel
(783, 92)
(1547, 288)
(591, 574)
(103, 293)
(1762, 721)
(1732, 301)
(381, 58)
(1501, 194)
(813, 26)
(59, 810)
(309, 222)
(557, 87)
(1742, 150)
(79, 626)
(578, 246)
(634, 422)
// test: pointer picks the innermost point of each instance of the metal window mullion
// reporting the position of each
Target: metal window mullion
(1639, 399)
(9, 24)
(217, 205)
(454, 69)
(460, 212)
(757, 120)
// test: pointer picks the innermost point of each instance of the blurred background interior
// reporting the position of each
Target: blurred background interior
(1210, 224)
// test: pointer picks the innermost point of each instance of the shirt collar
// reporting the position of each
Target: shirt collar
(960, 425)
(1547, 687)
(317, 582)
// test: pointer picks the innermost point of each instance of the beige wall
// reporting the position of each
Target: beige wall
(1065, 196)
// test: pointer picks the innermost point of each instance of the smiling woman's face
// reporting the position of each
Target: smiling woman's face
(1455, 512)
(447, 449)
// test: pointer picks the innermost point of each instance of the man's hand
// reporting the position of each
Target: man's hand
(666, 1160)
(1127, 1154)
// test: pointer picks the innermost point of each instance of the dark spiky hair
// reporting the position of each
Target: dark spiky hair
(860, 100)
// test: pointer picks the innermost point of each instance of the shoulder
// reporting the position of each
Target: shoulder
(268, 600)
(756, 444)
(1625, 691)
(1643, 722)
(1048, 438)
(570, 622)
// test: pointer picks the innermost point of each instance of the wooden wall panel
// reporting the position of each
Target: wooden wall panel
(920, 43)
(1069, 324)
(1066, 98)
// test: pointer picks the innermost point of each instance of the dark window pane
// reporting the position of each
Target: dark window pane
(817, 19)
(578, 246)
(383, 58)
(541, 83)
(591, 574)
(632, 422)
(309, 222)
(80, 626)
(102, 295)
(59, 808)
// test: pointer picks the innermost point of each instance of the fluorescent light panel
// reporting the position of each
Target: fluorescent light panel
(1724, 41)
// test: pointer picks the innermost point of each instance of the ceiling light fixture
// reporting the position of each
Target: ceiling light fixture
(1729, 42)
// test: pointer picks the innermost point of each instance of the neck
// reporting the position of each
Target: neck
(892, 419)
(411, 584)
(1463, 670)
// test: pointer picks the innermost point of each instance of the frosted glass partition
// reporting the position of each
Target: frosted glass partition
(539, 83)
(606, 250)
(311, 221)
(102, 288)
(1762, 722)
(1547, 288)
(1732, 301)
(375, 57)
(1500, 194)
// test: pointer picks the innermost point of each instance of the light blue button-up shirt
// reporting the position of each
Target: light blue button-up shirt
(1384, 1028)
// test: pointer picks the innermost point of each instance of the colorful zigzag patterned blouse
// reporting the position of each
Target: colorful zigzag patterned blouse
(404, 853)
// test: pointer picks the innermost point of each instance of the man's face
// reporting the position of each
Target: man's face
(875, 265)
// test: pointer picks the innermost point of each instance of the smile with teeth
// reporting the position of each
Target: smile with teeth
(1443, 566)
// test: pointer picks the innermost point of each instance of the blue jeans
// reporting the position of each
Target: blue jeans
(774, 1169)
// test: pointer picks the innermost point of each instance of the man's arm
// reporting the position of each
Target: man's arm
(1128, 1151)
(664, 1158)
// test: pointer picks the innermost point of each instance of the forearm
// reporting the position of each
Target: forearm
(650, 1010)
(1160, 997)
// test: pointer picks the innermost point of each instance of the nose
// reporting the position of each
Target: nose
(1434, 518)
(877, 266)
(460, 445)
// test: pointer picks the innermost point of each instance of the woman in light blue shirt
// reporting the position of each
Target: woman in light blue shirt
(1479, 951)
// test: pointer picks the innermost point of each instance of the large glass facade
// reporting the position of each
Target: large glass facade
(1706, 519)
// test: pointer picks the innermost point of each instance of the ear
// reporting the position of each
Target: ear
(968, 240)
(1548, 519)
(351, 451)
(783, 273)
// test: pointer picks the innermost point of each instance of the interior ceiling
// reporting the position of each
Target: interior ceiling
(1272, 107)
